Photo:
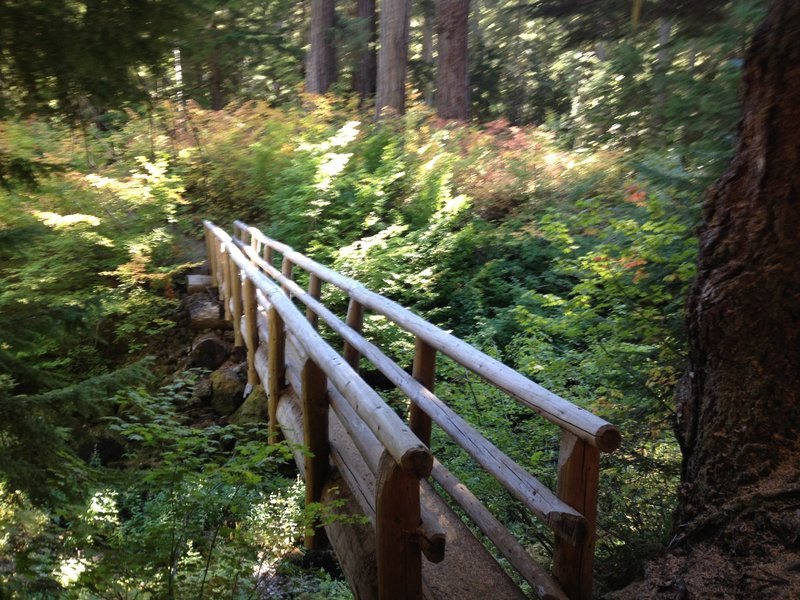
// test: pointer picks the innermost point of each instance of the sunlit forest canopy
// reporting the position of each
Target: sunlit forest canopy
(542, 203)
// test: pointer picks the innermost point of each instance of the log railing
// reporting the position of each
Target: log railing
(259, 298)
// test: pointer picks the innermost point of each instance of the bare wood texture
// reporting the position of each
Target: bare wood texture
(398, 516)
(321, 59)
(314, 397)
(578, 476)
(539, 499)
(355, 321)
(314, 290)
(552, 407)
(236, 301)
(286, 270)
(197, 284)
(393, 55)
(538, 578)
(452, 73)
(424, 371)
(225, 288)
(277, 367)
(467, 570)
(250, 328)
(395, 435)
(210, 254)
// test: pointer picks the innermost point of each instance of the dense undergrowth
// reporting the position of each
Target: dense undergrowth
(568, 264)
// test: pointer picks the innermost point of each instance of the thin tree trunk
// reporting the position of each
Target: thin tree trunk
(366, 71)
(393, 56)
(452, 74)
(215, 89)
(321, 59)
(428, 28)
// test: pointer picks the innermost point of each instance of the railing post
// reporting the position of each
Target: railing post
(314, 290)
(276, 367)
(578, 477)
(314, 396)
(355, 320)
(424, 371)
(286, 270)
(211, 254)
(235, 282)
(251, 329)
(225, 288)
(397, 520)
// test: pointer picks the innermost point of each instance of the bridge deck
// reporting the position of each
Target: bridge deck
(467, 571)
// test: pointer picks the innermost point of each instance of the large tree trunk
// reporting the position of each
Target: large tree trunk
(452, 74)
(366, 71)
(393, 55)
(321, 59)
(737, 533)
(740, 409)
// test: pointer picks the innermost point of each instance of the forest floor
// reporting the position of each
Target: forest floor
(749, 548)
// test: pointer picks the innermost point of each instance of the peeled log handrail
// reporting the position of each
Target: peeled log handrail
(388, 481)
(396, 437)
(562, 518)
(579, 421)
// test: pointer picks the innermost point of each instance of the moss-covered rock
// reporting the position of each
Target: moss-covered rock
(254, 408)
(227, 391)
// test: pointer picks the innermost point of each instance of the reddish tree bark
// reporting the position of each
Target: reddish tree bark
(740, 404)
(321, 59)
(452, 74)
(737, 533)
(393, 55)
(366, 69)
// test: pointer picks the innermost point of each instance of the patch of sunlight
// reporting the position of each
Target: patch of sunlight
(345, 135)
(56, 221)
(332, 164)
(428, 166)
(455, 205)
(276, 523)
(103, 508)
(364, 245)
(70, 570)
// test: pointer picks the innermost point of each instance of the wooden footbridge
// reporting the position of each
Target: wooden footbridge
(361, 452)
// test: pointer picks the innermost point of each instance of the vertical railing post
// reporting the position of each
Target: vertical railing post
(314, 397)
(397, 519)
(578, 477)
(235, 281)
(424, 371)
(211, 254)
(286, 270)
(355, 320)
(251, 328)
(225, 287)
(314, 290)
(276, 368)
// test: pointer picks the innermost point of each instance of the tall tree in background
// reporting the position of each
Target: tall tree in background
(321, 60)
(452, 73)
(393, 55)
(366, 68)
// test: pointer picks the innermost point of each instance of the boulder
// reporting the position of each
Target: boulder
(227, 390)
(254, 408)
